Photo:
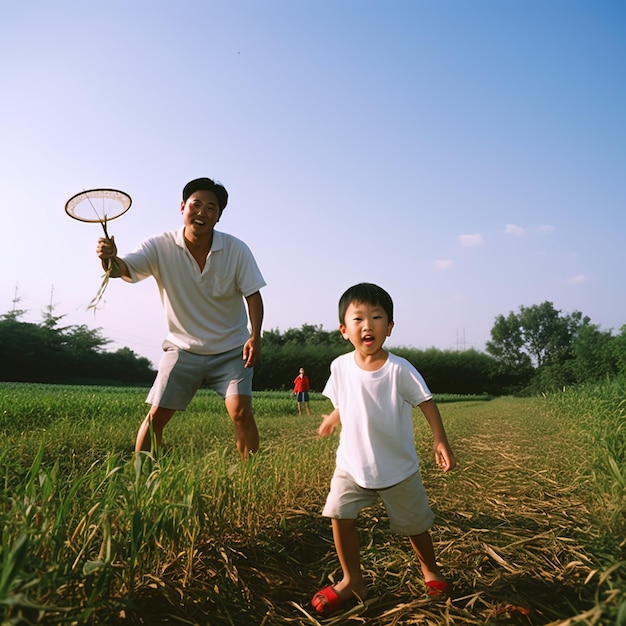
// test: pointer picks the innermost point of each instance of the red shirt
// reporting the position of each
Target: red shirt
(301, 383)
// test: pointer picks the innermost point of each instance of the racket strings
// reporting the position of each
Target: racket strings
(103, 219)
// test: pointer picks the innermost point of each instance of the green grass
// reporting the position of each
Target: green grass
(530, 526)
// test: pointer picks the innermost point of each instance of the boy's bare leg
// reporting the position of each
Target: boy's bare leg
(423, 546)
(346, 539)
(159, 417)
(246, 432)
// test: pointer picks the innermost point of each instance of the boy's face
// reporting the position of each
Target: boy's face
(200, 213)
(366, 326)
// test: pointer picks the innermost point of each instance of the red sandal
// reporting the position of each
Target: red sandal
(437, 589)
(326, 601)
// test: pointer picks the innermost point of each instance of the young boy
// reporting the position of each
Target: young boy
(373, 392)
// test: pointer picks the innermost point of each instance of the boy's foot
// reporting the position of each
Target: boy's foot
(437, 589)
(327, 601)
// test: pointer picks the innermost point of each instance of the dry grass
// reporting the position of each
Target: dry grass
(528, 527)
(515, 533)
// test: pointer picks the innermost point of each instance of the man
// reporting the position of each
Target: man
(203, 276)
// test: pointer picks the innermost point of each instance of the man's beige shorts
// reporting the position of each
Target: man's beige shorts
(182, 373)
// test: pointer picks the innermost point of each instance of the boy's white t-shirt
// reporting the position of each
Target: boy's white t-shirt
(377, 443)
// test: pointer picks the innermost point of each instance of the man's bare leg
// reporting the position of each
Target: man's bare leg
(158, 417)
(246, 432)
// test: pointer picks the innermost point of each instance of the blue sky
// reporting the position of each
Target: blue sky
(469, 156)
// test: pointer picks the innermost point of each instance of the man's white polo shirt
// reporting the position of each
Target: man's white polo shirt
(205, 310)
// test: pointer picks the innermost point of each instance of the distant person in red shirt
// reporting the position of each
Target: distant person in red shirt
(301, 386)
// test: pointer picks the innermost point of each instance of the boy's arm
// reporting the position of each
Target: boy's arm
(329, 423)
(444, 456)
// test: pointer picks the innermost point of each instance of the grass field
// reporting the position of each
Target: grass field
(531, 526)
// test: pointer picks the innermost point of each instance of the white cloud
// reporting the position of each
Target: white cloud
(443, 264)
(578, 280)
(469, 241)
(545, 228)
(513, 229)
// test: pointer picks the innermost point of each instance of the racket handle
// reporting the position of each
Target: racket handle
(104, 228)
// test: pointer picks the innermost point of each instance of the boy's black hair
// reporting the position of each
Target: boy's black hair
(206, 184)
(367, 293)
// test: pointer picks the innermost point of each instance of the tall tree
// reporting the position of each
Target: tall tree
(536, 336)
(595, 357)
(619, 350)
(14, 314)
(50, 320)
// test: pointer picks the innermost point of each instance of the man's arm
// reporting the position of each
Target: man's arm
(252, 349)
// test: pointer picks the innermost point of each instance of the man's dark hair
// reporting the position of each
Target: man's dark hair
(206, 184)
(366, 293)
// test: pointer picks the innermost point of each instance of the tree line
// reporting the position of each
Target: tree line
(535, 349)
(51, 353)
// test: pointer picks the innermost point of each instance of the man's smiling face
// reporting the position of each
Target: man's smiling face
(200, 213)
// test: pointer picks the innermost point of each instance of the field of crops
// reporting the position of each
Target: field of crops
(530, 527)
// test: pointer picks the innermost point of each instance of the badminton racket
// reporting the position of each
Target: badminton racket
(99, 206)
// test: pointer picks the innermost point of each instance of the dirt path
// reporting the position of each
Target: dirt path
(512, 531)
